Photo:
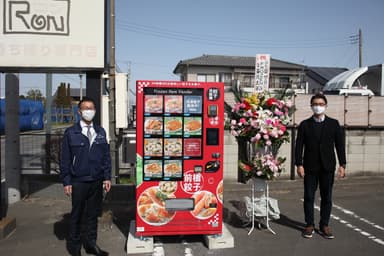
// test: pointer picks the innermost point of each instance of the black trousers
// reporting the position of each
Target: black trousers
(324, 180)
(85, 196)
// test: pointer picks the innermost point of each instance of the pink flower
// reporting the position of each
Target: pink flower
(276, 122)
(278, 112)
(254, 123)
(243, 120)
(274, 133)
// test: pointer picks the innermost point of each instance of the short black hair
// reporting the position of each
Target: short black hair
(88, 99)
(319, 96)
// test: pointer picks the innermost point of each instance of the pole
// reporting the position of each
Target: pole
(360, 49)
(81, 86)
(2, 203)
(48, 125)
(112, 94)
(293, 140)
(12, 138)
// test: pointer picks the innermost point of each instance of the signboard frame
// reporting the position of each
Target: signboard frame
(52, 36)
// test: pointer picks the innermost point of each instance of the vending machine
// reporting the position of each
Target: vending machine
(179, 171)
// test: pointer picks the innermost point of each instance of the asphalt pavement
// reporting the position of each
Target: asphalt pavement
(357, 223)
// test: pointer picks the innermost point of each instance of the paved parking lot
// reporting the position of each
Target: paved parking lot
(357, 222)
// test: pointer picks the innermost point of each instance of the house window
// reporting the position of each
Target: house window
(246, 80)
(225, 77)
(206, 78)
(284, 82)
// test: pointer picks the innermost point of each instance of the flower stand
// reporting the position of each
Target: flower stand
(260, 185)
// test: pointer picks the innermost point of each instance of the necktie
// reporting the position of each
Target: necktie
(89, 133)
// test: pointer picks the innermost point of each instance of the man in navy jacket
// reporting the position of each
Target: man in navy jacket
(85, 168)
(318, 137)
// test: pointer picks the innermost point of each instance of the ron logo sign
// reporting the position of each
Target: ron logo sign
(36, 17)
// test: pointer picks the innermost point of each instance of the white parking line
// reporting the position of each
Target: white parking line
(353, 227)
(354, 215)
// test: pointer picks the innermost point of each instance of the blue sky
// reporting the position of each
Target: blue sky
(152, 36)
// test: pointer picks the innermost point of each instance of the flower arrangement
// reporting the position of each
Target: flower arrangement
(262, 120)
(264, 166)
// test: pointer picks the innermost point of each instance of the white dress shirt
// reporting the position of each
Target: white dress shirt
(84, 130)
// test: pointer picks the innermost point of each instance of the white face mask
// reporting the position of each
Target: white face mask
(88, 114)
(318, 109)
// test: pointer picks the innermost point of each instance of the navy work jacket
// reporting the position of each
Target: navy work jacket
(82, 162)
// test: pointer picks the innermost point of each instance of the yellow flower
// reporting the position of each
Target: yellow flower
(254, 99)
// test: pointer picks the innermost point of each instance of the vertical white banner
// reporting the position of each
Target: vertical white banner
(262, 67)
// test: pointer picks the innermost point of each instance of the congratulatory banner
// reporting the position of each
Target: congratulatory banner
(52, 33)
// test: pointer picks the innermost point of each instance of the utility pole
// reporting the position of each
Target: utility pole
(112, 94)
(358, 39)
(360, 49)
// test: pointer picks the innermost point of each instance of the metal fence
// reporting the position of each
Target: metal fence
(40, 153)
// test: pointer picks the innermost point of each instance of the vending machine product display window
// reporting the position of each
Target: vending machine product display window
(173, 126)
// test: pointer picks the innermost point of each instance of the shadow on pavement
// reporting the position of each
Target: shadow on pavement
(61, 227)
(118, 214)
(232, 217)
(236, 220)
(286, 221)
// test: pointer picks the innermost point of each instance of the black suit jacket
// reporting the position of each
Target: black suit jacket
(316, 154)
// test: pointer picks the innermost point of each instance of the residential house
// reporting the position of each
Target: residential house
(240, 70)
(220, 68)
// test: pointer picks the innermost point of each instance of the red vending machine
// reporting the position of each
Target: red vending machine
(179, 176)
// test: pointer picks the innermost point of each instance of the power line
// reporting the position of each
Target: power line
(228, 41)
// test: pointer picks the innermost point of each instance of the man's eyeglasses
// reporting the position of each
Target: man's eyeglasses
(318, 104)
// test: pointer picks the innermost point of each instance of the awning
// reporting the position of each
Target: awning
(345, 80)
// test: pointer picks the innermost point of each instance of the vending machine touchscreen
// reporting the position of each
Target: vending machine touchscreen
(179, 173)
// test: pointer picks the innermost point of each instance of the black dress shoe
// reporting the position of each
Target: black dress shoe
(75, 253)
(95, 250)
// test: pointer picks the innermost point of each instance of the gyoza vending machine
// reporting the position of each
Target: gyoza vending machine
(179, 175)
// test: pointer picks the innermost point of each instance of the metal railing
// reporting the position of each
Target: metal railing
(40, 153)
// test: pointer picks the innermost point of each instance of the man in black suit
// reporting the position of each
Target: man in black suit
(317, 138)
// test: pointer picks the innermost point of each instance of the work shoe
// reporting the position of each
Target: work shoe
(308, 232)
(326, 232)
